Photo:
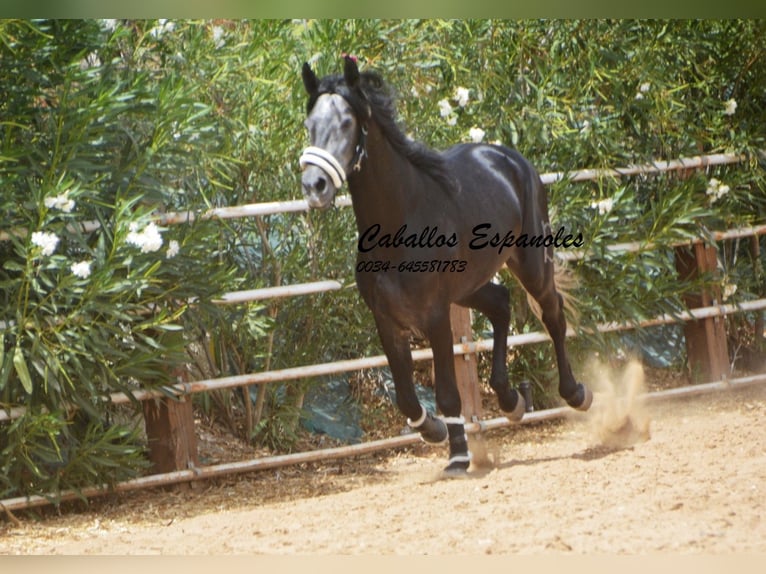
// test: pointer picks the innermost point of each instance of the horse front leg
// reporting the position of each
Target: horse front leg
(396, 345)
(447, 393)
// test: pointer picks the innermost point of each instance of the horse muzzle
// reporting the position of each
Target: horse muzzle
(318, 190)
(322, 176)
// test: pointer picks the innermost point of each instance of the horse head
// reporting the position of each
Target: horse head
(335, 132)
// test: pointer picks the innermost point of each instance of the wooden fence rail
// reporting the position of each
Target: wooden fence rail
(377, 361)
(188, 475)
(705, 319)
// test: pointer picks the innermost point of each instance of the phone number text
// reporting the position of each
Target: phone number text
(432, 266)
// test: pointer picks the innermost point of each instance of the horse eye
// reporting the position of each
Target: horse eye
(346, 124)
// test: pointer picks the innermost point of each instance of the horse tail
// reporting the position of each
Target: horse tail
(566, 282)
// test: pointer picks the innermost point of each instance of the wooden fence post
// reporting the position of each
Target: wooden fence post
(706, 347)
(466, 369)
(170, 432)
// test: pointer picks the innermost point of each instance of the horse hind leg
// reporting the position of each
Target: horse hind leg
(492, 300)
(536, 274)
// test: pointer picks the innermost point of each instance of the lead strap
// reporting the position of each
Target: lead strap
(325, 161)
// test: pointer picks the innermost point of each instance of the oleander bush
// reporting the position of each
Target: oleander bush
(109, 124)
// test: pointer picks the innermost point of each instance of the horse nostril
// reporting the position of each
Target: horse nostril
(320, 184)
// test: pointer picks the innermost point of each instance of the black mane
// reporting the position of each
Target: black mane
(373, 98)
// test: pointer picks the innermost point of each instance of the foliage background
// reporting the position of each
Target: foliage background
(129, 119)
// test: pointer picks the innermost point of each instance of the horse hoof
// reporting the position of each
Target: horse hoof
(456, 468)
(582, 399)
(518, 412)
(512, 404)
(433, 430)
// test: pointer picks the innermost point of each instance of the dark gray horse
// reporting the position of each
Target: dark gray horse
(434, 228)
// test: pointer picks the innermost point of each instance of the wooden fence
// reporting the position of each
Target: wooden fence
(169, 420)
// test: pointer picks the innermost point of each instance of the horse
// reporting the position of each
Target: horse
(433, 229)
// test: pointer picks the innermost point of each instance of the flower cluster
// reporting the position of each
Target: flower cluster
(81, 269)
(461, 95)
(730, 106)
(218, 37)
(446, 110)
(716, 190)
(60, 202)
(604, 206)
(642, 89)
(476, 134)
(173, 249)
(46, 241)
(109, 24)
(163, 26)
(148, 239)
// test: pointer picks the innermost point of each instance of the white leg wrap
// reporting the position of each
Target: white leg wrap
(420, 421)
(453, 420)
(461, 458)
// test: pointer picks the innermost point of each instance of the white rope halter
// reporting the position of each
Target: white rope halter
(325, 161)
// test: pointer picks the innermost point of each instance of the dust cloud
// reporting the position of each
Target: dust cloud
(618, 417)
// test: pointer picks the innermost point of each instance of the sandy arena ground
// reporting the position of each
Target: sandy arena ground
(685, 476)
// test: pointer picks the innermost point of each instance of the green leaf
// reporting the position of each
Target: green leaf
(21, 369)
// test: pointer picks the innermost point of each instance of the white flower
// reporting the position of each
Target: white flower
(477, 134)
(109, 24)
(461, 95)
(90, 61)
(46, 241)
(173, 249)
(149, 239)
(716, 190)
(163, 25)
(452, 120)
(81, 269)
(585, 127)
(642, 89)
(218, 38)
(731, 107)
(728, 290)
(61, 202)
(445, 108)
(604, 206)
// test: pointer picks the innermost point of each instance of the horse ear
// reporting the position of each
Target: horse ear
(351, 72)
(310, 81)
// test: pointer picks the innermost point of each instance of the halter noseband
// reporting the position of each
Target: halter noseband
(325, 161)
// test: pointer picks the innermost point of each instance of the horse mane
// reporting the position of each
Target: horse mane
(374, 98)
